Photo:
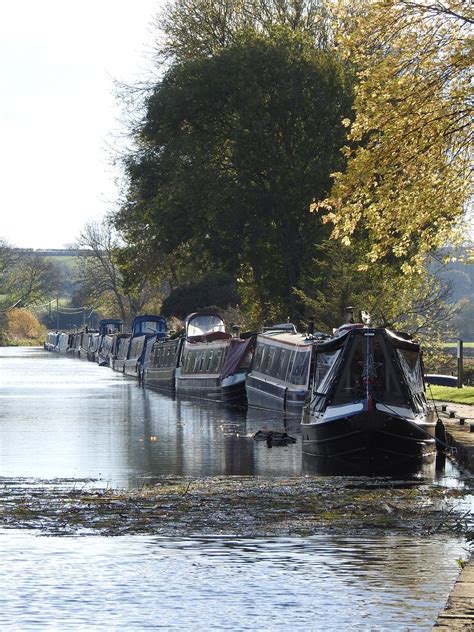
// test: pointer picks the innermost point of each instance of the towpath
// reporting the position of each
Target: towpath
(458, 420)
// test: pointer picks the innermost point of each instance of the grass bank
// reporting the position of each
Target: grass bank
(464, 395)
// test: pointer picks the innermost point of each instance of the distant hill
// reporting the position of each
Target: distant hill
(55, 252)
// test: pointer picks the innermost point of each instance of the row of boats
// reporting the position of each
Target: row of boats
(360, 392)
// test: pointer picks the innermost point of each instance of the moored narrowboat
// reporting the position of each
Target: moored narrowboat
(119, 351)
(145, 330)
(214, 364)
(279, 376)
(165, 358)
(52, 340)
(88, 343)
(108, 329)
(130, 350)
(367, 406)
(75, 344)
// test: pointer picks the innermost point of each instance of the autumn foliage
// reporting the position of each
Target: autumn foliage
(22, 326)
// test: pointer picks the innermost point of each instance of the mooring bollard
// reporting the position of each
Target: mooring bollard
(461, 421)
(471, 428)
(443, 408)
(451, 414)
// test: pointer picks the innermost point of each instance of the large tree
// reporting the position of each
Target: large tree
(230, 153)
(192, 29)
(408, 178)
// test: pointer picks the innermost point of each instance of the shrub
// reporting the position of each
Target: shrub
(22, 325)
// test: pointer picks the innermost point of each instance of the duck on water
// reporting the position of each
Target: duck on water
(367, 405)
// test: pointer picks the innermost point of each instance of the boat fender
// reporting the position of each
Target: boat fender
(440, 432)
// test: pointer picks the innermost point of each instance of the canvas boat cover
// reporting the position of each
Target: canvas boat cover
(237, 351)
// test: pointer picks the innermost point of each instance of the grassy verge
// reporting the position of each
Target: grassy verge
(464, 395)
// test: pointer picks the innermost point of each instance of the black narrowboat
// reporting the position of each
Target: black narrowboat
(367, 406)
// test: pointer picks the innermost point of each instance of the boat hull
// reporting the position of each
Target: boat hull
(161, 379)
(269, 395)
(130, 367)
(103, 360)
(215, 389)
(117, 364)
(370, 440)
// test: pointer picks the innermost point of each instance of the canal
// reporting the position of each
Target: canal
(71, 421)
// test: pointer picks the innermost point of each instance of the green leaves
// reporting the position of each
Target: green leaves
(232, 150)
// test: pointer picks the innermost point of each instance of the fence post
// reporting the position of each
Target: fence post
(460, 362)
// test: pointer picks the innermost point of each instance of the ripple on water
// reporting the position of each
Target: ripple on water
(132, 583)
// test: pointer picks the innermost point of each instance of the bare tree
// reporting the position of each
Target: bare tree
(26, 278)
(102, 283)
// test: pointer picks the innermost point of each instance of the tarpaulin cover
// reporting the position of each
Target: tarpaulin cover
(237, 351)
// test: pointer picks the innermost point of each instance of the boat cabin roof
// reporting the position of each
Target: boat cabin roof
(398, 339)
(285, 337)
(110, 325)
(148, 324)
(205, 325)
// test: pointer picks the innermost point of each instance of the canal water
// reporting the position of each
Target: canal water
(62, 418)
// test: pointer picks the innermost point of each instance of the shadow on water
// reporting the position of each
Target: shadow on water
(413, 469)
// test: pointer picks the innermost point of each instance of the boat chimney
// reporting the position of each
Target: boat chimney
(311, 327)
(349, 314)
(235, 331)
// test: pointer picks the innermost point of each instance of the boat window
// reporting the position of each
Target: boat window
(246, 362)
(282, 366)
(324, 362)
(267, 365)
(189, 361)
(218, 356)
(214, 362)
(149, 327)
(197, 361)
(259, 352)
(369, 367)
(411, 366)
(172, 355)
(299, 370)
(210, 354)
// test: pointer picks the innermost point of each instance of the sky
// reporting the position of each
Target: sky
(60, 119)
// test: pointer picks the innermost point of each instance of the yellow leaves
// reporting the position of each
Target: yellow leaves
(405, 184)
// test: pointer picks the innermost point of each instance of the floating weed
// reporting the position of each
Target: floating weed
(247, 506)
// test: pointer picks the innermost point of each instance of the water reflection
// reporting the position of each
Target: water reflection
(136, 583)
(66, 418)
